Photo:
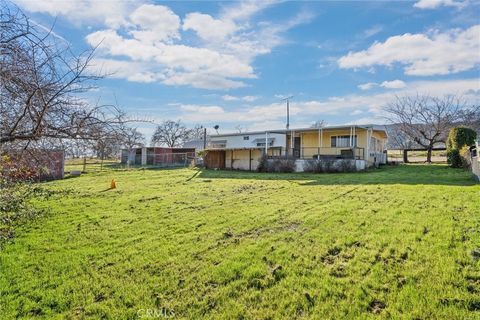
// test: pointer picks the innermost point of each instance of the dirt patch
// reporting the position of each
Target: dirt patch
(289, 227)
(150, 199)
(331, 255)
(475, 254)
(376, 306)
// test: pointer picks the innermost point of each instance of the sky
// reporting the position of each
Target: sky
(231, 63)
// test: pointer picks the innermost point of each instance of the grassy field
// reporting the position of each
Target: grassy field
(397, 242)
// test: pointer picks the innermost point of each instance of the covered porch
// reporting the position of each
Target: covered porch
(325, 144)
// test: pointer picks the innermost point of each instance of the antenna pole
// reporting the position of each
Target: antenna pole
(288, 110)
(288, 114)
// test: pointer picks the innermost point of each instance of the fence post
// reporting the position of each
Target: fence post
(84, 164)
(405, 156)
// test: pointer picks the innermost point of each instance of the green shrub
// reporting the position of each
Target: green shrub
(312, 166)
(263, 164)
(329, 166)
(281, 165)
(458, 138)
(454, 158)
(465, 158)
(15, 207)
(346, 165)
(276, 165)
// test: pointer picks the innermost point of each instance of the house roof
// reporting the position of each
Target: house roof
(284, 131)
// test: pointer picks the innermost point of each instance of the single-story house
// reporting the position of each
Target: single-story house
(157, 156)
(36, 165)
(364, 144)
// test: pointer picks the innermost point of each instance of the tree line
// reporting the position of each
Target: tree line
(41, 106)
(425, 121)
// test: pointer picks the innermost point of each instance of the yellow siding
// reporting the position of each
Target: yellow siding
(310, 143)
(312, 140)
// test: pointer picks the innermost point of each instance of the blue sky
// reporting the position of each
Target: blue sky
(230, 63)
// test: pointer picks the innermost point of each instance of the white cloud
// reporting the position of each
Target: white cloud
(108, 12)
(207, 27)
(422, 54)
(369, 106)
(432, 4)
(249, 98)
(394, 84)
(367, 86)
(151, 37)
(154, 23)
(202, 109)
(124, 69)
(245, 9)
(228, 97)
(372, 31)
(201, 80)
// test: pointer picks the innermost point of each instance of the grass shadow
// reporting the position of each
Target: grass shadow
(197, 172)
(411, 174)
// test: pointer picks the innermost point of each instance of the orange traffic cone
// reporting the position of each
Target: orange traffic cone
(113, 184)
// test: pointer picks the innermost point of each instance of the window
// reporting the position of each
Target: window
(262, 144)
(218, 144)
(246, 138)
(376, 145)
(342, 141)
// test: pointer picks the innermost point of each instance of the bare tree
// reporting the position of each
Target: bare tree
(171, 133)
(240, 129)
(40, 83)
(398, 140)
(132, 138)
(319, 124)
(197, 132)
(471, 118)
(425, 120)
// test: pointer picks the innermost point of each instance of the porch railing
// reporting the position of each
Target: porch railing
(323, 153)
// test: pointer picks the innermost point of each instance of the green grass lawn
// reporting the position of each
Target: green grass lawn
(398, 242)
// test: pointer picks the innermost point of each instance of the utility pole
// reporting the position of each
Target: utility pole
(204, 138)
(288, 110)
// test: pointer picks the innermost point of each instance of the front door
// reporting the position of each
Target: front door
(296, 147)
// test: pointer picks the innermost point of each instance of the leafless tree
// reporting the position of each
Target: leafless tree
(197, 132)
(40, 86)
(171, 133)
(425, 120)
(132, 138)
(319, 124)
(240, 129)
(398, 140)
(471, 118)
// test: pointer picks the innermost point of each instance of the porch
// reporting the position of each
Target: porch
(318, 153)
